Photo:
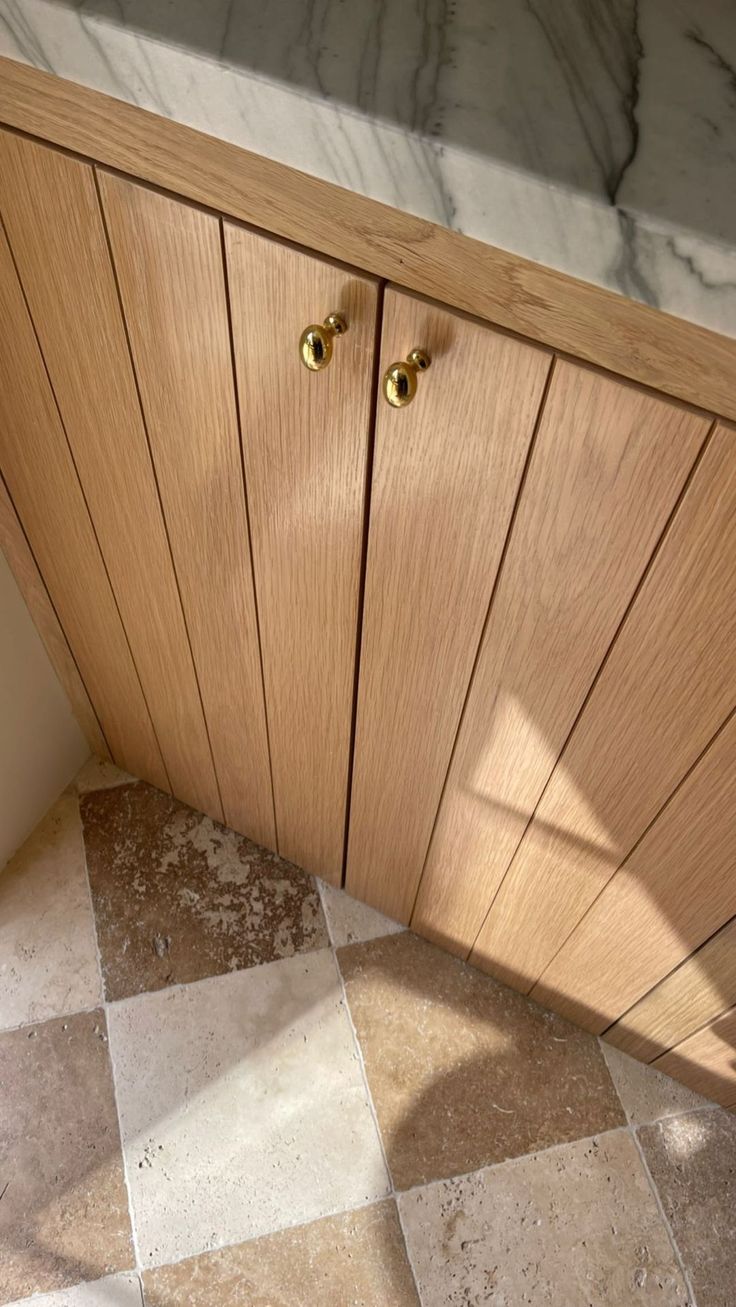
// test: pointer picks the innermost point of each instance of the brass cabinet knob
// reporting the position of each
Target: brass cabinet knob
(400, 380)
(315, 342)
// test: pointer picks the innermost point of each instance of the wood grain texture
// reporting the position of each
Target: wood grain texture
(632, 339)
(677, 887)
(608, 464)
(22, 564)
(445, 477)
(168, 258)
(667, 686)
(706, 1061)
(305, 444)
(41, 479)
(699, 990)
(51, 211)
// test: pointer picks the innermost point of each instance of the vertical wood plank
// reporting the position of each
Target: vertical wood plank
(41, 478)
(52, 214)
(706, 1061)
(696, 993)
(168, 258)
(446, 475)
(608, 463)
(677, 887)
(305, 445)
(30, 583)
(667, 686)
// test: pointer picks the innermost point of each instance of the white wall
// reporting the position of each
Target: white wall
(41, 746)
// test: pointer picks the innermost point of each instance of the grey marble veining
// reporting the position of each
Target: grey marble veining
(596, 136)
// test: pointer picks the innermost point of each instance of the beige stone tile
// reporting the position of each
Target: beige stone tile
(356, 1258)
(242, 1107)
(692, 1159)
(48, 955)
(577, 1226)
(64, 1211)
(178, 897)
(98, 774)
(112, 1291)
(463, 1071)
(350, 921)
(646, 1094)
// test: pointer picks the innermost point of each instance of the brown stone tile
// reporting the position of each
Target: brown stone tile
(464, 1071)
(64, 1210)
(692, 1159)
(355, 1258)
(178, 897)
(577, 1226)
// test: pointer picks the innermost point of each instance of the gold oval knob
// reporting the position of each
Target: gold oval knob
(400, 380)
(315, 342)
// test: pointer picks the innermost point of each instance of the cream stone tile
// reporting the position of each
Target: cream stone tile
(647, 1095)
(242, 1107)
(98, 774)
(571, 1227)
(113, 1291)
(48, 955)
(350, 921)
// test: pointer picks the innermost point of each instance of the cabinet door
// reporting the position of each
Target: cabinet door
(168, 258)
(52, 214)
(446, 473)
(42, 482)
(608, 464)
(305, 446)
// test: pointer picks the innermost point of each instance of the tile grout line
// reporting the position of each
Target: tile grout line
(105, 1007)
(632, 1128)
(392, 1195)
(662, 1214)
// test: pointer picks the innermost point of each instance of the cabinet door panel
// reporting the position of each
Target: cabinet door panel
(607, 467)
(168, 259)
(667, 685)
(42, 480)
(705, 1061)
(305, 445)
(14, 543)
(50, 206)
(445, 478)
(697, 992)
(677, 888)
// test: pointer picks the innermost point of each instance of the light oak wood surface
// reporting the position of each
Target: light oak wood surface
(305, 444)
(698, 991)
(42, 481)
(445, 477)
(51, 210)
(168, 258)
(608, 464)
(668, 684)
(22, 564)
(632, 339)
(706, 1061)
(677, 888)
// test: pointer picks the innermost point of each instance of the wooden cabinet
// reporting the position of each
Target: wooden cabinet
(474, 656)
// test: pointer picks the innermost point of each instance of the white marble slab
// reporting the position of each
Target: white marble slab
(596, 136)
